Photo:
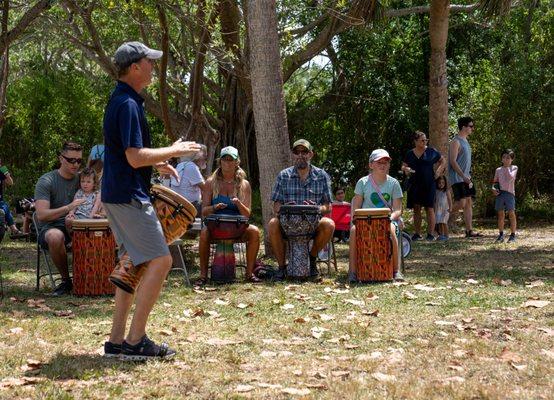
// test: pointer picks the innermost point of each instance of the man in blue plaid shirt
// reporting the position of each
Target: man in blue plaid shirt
(301, 184)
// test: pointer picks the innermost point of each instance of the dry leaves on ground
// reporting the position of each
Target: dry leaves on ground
(535, 304)
(383, 377)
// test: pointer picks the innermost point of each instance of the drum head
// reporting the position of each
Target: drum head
(372, 213)
(89, 224)
(173, 198)
(299, 209)
(226, 218)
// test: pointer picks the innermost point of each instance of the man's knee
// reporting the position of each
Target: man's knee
(54, 238)
(326, 225)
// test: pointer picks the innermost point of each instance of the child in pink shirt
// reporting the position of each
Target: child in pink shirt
(503, 188)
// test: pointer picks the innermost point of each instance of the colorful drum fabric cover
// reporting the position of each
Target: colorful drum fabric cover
(299, 223)
(175, 214)
(225, 228)
(94, 254)
(373, 245)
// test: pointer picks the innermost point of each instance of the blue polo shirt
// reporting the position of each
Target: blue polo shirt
(125, 126)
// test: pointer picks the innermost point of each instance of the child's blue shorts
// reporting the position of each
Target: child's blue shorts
(505, 201)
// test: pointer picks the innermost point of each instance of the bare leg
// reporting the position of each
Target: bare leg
(395, 252)
(513, 220)
(324, 232)
(56, 247)
(123, 303)
(147, 294)
(417, 219)
(352, 260)
(277, 241)
(252, 247)
(430, 214)
(456, 206)
(468, 213)
(501, 217)
(204, 252)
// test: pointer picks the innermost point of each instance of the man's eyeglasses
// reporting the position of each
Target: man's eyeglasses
(298, 152)
(72, 160)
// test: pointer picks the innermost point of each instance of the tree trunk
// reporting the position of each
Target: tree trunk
(5, 65)
(438, 81)
(270, 117)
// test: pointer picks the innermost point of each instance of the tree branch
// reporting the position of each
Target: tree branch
(27, 18)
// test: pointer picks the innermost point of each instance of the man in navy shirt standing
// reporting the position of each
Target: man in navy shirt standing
(125, 196)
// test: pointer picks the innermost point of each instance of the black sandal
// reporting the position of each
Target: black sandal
(253, 279)
(201, 282)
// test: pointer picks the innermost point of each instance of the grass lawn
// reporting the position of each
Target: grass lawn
(474, 320)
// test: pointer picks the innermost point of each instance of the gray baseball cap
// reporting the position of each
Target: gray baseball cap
(131, 52)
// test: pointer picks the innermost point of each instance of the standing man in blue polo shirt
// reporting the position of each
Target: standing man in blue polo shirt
(125, 196)
(300, 184)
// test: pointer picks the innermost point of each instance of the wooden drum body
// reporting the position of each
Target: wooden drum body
(94, 254)
(373, 246)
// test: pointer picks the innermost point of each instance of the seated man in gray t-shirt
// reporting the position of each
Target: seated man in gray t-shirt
(54, 194)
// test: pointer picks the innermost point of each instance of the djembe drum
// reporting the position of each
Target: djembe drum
(373, 245)
(225, 229)
(175, 214)
(93, 257)
(299, 224)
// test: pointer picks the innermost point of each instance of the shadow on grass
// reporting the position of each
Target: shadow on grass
(458, 259)
(83, 366)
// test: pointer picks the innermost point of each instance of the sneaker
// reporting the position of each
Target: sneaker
(500, 238)
(398, 276)
(63, 288)
(512, 238)
(472, 234)
(281, 274)
(429, 237)
(146, 349)
(442, 238)
(416, 236)
(112, 350)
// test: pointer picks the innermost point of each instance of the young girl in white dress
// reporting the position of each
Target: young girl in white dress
(443, 207)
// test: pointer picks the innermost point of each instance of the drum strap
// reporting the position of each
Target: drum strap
(378, 190)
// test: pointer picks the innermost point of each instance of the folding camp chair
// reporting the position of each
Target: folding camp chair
(45, 255)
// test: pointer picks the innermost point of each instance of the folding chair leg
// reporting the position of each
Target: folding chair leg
(50, 275)
(180, 251)
(38, 268)
(334, 256)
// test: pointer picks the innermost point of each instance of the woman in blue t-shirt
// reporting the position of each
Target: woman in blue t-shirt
(228, 192)
(418, 165)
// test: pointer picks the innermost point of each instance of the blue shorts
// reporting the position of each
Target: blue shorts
(505, 201)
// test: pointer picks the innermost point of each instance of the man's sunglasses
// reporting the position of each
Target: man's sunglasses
(304, 152)
(72, 160)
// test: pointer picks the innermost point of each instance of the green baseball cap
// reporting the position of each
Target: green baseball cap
(229, 151)
(302, 142)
